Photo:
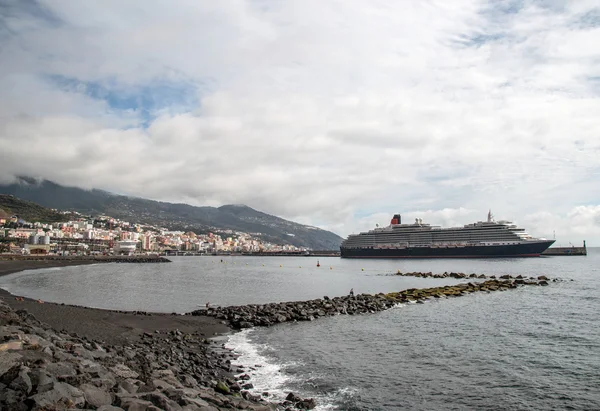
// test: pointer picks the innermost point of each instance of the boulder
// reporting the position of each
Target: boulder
(306, 404)
(222, 388)
(134, 404)
(130, 385)
(94, 396)
(123, 371)
(293, 398)
(61, 394)
(22, 382)
(161, 401)
(41, 380)
(13, 399)
(97, 371)
(198, 402)
(161, 385)
(10, 364)
(61, 369)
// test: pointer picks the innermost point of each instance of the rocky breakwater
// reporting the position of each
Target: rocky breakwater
(41, 369)
(247, 316)
(420, 274)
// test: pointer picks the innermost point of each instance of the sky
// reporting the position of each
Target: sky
(326, 112)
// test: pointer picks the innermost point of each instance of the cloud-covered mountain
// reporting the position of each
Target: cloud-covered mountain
(170, 215)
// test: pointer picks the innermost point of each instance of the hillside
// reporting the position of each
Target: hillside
(173, 216)
(28, 210)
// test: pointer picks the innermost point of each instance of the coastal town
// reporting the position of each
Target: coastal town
(105, 235)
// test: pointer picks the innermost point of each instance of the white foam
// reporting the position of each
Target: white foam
(268, 376)
(327, 402)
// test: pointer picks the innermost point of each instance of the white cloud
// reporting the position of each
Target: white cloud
(325, 112)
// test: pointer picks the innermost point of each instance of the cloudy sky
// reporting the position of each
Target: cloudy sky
(331, 113)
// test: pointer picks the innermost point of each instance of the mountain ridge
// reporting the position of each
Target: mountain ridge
(175, 216)
(28, 210)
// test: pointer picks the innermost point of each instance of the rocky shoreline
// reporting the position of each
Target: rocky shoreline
(264, 315)
(41, 369)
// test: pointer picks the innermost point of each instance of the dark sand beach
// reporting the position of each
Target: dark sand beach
(59, 356)
(114, 327)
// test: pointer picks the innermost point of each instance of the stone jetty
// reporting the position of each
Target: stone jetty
(446, 274)
(265, 315)
(41, 369)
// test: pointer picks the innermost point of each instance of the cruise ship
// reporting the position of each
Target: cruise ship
(484, 239)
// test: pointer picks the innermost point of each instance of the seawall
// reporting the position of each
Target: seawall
(565, 251)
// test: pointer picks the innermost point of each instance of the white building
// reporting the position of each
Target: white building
(127, 247)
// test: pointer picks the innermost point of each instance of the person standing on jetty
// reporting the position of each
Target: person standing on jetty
(351, 292)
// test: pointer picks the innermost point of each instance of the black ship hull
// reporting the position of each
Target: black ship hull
(525, 249)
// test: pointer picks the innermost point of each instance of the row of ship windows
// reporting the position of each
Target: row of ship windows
(494, 228)
(510, 234)
(390, 240)
(441, 233)
(488, 235)
(477, 232)
(445, 234)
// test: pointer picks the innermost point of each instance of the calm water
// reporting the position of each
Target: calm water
(525, 349)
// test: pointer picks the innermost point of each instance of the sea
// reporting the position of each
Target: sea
(531, 348)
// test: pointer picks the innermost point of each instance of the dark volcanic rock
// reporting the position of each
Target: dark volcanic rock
(95, 396)
(22, 382)
(61, 394)
(173, 371)
(10, 363)
(270, 314)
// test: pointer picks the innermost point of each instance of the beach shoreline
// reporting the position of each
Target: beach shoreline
(188, 348)
(112, 326)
